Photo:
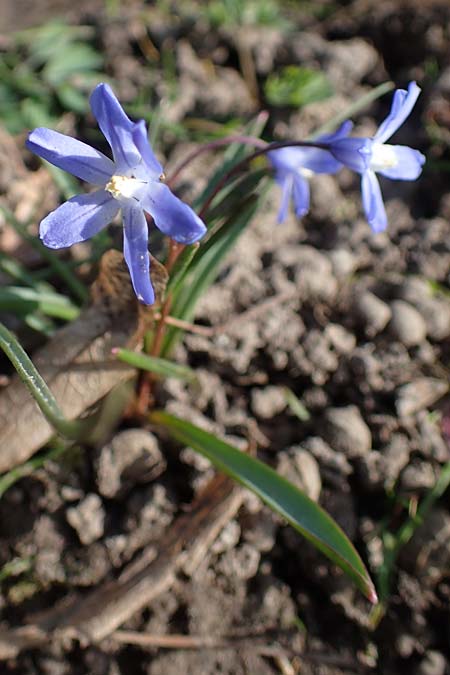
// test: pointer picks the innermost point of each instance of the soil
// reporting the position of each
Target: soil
(364, 342)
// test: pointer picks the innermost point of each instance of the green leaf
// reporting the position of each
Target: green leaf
(156, 365)
(39, 390)
(296, 86)
(281, 496)
(75, 58)
(26, 300)
(59, 267)
(296, 406)
(354, 108)
(205, 267)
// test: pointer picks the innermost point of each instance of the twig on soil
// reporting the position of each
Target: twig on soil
(257, 641)
(94, 617)
(252, 313)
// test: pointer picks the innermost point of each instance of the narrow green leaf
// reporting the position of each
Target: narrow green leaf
(301, 512)
(8, 479)
(297, 86)
(155, 365)
(296, 406)
(354, 108)
(181, 267)
(60, 268)
(38, 388)
(49, 303)
(232, 156)
(205, 267)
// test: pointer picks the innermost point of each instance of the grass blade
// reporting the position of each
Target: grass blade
(300, 511)
(38, 388)
(155, 365)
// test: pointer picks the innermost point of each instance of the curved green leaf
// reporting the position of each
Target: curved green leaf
(155, 365)
(40, 391)
(281, 496)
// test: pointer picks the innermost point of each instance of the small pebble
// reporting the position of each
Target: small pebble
(373, 313)
(300, 467)
(419, 394)
(268, 402)
(433, 663)
(407, 324)
(340, 338)
(346, 431)
(133, 456)
(418, 476)
(343, 262)
(87, 518)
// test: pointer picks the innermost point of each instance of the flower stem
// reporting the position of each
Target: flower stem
(208, 147)
(268, 147)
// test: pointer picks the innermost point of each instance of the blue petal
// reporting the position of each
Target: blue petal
(78, 219)
(373, 202)
(292, 159)
(116, 127)
(135, 250)
(172, 216)
(353, 152)
(286, 187)
(142, 143)
(71, 155)
(409, 166)
(341, 132)
(321, 161)
(301, 195)
(402, 104)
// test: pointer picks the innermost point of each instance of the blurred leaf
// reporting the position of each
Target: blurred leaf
(205, 267)
(8, 479)
(35, 113)
(26, 300)
(60, 268)
(232, 156)
(281, 496)
(75, 58)
(393, 542)
(156, 365)
(296, 406)
(77, 429)
(354, 108)
(296, 86)
(72, 99)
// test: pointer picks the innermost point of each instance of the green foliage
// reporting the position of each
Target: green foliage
(296, 86)
(281, 496)
(393, 542)
(245, 12)
(228, 216)
(51, 66)
(40, 391)
(153, 364)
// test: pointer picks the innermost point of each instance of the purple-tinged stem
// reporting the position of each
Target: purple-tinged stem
(240, 165)
(212, 145)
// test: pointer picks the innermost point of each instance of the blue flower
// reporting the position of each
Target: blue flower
(132, 182)
(295, 165)
(369, 156)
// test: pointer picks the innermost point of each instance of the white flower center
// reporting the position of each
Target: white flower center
(125, 187)
(383, 157)
(306, 173)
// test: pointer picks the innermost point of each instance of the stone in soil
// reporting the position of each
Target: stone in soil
(87, 518)
(346, 431)
(373, 313)
(300, 467)
(419, 394)
(407, 324)
(133, 456)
